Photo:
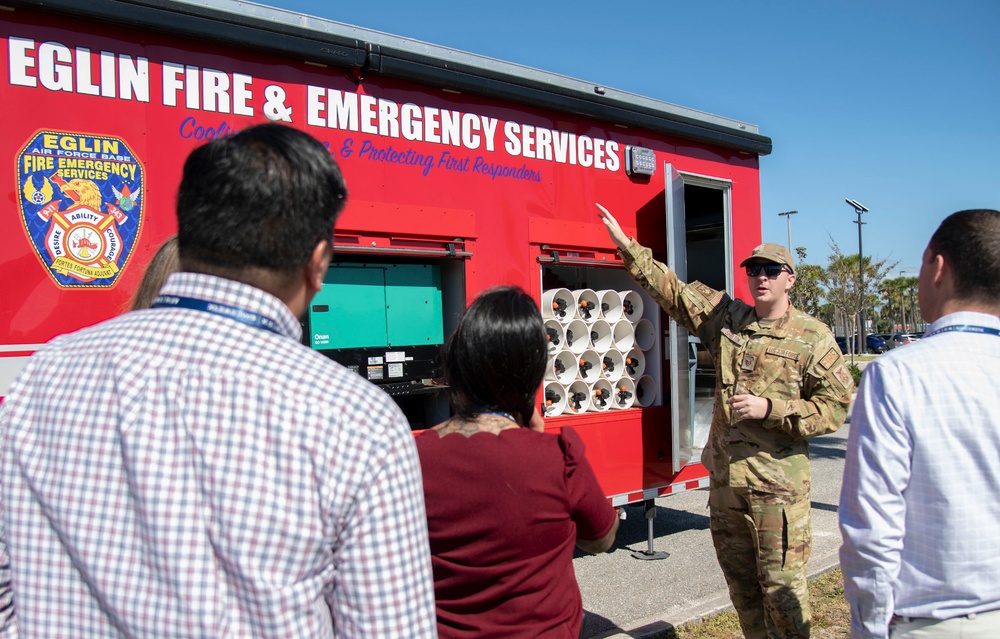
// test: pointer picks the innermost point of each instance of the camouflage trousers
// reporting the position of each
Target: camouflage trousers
(762, 542)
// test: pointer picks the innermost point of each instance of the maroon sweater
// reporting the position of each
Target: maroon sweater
(503, 513)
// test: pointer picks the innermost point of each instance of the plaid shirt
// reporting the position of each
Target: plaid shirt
(177, 473)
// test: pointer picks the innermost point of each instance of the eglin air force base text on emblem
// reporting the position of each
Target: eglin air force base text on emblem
(81, 203)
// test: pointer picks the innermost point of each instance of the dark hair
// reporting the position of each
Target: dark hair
(261, 198)
(164, 262)
(969, 241)
(495, 360)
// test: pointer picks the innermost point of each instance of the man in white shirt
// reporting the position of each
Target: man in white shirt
(920, 503)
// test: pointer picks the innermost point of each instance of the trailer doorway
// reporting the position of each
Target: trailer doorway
(699, 248)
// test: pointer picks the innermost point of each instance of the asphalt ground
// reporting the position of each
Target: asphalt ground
(628, 597)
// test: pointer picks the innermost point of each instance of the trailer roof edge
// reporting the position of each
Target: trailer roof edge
(334, 43)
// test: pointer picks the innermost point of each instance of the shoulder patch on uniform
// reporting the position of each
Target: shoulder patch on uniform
(713, 296)
(829, 359)
(781, 352)
(843, 376)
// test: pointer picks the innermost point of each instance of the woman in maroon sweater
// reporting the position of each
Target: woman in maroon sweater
(506, 502)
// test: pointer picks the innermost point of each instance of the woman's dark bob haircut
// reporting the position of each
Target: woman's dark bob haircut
(495, 360)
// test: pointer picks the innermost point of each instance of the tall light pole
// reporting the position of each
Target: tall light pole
(860, 208)
(902, 302)
(788, 218)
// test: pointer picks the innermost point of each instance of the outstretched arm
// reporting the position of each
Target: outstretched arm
(614, 228)
(689, 306)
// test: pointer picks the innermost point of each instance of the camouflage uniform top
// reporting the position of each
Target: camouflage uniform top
(792, 361)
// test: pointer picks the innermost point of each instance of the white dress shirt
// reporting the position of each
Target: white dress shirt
(920, 502)
(178, 473)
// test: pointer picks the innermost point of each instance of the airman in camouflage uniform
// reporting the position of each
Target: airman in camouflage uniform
(780, 379)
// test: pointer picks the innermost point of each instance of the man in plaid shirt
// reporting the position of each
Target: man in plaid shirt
(192, 470)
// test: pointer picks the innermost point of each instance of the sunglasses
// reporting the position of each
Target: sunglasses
(770, 270)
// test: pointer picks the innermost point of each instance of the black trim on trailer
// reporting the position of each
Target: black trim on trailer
(362, 51)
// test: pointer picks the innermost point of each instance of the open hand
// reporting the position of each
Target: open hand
(614, 229)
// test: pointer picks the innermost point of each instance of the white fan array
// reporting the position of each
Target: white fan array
(597, 351)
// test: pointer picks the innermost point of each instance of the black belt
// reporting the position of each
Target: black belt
(970, 617)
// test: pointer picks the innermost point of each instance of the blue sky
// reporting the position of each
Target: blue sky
(893, 104)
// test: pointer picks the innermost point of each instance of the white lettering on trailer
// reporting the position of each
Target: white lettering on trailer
(368, 114)
(242, 94)
(565, 147)
(215, 96)
(348, 111)
(585, 146)
(489, 131)
(450, 129)
(84, 82)
(207, 89)
(55, 70)
(469, 124)
(59, 68)
(191, 92)
(388, 119)
(432, 125)
(20, 61)
(56, 67)
(537, 142)
(171, 84)
(363, 113)
(412, 130)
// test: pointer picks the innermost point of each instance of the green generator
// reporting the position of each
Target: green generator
(384, 321)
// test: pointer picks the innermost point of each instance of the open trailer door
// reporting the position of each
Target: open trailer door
(678, 338)
(699, 248)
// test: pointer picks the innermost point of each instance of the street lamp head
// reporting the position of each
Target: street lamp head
(858, 206)
(788, 220)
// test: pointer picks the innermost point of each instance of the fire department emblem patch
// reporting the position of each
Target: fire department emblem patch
(82, 202)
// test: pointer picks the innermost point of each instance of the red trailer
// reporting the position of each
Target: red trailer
(464, 172)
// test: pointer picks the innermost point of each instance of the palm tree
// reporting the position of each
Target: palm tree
(846, 290)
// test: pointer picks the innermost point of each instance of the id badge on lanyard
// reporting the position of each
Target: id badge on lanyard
(223, 310)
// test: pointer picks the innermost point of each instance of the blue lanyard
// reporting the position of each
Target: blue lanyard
(484, 410)
(967, 328)
(224, 310)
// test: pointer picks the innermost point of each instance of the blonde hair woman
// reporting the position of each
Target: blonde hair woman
(164, 263)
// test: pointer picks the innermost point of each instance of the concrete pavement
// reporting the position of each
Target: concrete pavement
(625, 597)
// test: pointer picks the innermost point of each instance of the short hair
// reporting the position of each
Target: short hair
(164, 262)
(262, 198)
(969, 241)
(496, 358)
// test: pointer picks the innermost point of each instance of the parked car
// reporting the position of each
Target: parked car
(874, 344)
(904, 338)
(889, 344)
